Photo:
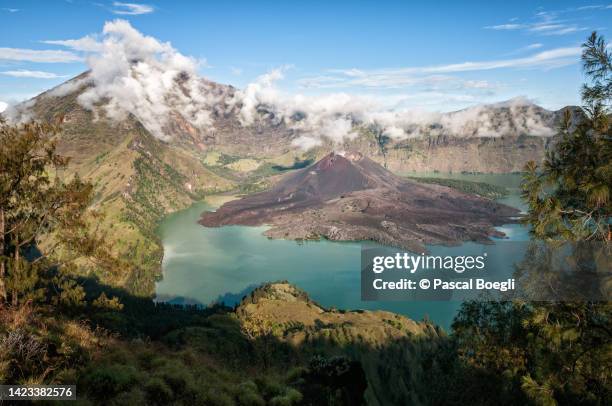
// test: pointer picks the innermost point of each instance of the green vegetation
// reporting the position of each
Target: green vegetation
(225, 159)
(477, 188)
(269, 169)
(62, 322)
(550, 353)
(250, 181)
(36, 205)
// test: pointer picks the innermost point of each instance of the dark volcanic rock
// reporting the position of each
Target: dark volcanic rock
(349, 197)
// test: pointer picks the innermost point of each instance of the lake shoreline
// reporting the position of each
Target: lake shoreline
(199, 267)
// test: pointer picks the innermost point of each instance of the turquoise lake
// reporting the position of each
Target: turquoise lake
(205, 265)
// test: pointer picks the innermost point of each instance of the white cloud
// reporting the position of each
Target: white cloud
(520, 116)
(68, 87)
(547, 59)
(131, 8)
(557, 29)
(436, 78)
(337, 130)
(594, 7)
(11, 10)
(334, 116)
(395, 133)
(137, 74)
(34, 55)
(502, 27)
(235, 71)
(545, 23)
(36, 74)
(262, 91)
(3, 106)
(530, 47)
(306, 142)
(390, 79)
(87, 44)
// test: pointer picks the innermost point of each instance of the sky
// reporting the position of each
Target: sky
(437, 56)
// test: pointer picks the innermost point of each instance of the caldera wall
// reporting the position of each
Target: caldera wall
(452, 154)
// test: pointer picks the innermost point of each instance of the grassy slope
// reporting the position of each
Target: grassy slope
(138, 179)
(137, 184)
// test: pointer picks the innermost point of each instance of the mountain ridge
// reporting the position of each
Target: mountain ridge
(488, 138)
(508, 118)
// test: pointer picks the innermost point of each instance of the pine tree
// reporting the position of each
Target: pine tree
(569, 194)
(557, 352)
(37, 204)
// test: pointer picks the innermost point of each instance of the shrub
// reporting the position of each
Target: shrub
(158, 392)
(291, 397)
(177, 376)
(107, 381)
(248, 394)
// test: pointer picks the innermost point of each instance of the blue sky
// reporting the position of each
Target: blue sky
(441, 56)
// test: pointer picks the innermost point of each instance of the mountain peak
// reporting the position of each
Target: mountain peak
(337, 160)
(350, 155)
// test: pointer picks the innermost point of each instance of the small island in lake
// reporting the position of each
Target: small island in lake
(349, 197)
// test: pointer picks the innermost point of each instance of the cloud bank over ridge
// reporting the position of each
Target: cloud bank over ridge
(131, 73)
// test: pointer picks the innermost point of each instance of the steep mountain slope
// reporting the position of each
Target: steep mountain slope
(350, 197)
(448, 154)
(138, 178)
